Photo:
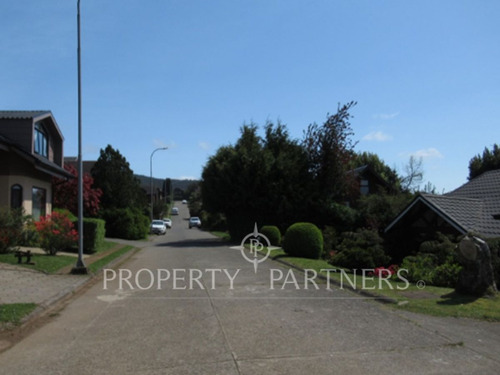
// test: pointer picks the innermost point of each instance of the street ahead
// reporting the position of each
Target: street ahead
(189, 304)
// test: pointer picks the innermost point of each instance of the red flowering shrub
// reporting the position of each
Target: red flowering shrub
(56, 232)
(385, 272)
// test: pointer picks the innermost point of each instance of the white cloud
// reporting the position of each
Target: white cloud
(428, 153)
(204, 145)
(385, 116)
(377, 136)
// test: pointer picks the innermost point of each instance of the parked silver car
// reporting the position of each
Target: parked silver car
(194, 222)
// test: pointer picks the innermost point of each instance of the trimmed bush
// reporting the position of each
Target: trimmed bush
(272, 233)
(303, 240)
(93, 234)
(126, 223)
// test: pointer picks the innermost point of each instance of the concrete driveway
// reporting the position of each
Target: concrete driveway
(188, 304)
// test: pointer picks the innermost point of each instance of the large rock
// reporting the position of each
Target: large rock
(477, 275)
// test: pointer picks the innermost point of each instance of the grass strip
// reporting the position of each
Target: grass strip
(427, 299)
(97, 265)
(13, 313)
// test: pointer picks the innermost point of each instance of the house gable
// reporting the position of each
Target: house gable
(473, 207)
(26, 175)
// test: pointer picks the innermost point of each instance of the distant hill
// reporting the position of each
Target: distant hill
(158, 182)
(182, 184)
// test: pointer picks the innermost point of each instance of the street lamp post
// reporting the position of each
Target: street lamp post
(80, 267)
(151, 177)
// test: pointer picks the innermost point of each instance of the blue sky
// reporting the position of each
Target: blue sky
(188, 74)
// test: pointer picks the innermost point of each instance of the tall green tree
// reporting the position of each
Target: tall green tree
(489, 160)
(258, 179)
(329, 148)
(120, 188)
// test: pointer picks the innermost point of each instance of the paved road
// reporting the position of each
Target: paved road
(197, 322)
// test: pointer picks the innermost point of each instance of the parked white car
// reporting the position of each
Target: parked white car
(168, 222)
(158, 227)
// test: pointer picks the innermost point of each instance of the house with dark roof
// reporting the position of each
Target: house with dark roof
(472, 208)
(368, 181)
(31, 153)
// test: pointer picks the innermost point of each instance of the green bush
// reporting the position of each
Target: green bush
(360, 250)
(419, 267)
(93, 234)
(303, 240)
(330, 241)
(11, 228)
(494, 245)
(30, 237)
(442, 247)
(272, 233)
(435, 263)
(447, 274)
(126, 223)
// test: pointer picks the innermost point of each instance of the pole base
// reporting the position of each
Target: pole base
(79, 270)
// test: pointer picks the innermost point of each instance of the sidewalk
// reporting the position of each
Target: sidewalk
(20, 284)
(23, 285)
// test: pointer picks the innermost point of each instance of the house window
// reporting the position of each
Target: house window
(39, 200)
(364, 187)
(41, 140)
(16, 196)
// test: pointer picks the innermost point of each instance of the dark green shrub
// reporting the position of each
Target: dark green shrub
(360, 250)
(447, 274)
(442, 247)
(126, 223)
(272, 233)
(330, 241)
(435, 263)
(213, 221)
(360, 258)
(11, 228)
(303, 240)
(494, 245)
(419, 267)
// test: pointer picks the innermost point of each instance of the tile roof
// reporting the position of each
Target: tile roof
(485, 187)
(473, 207)
(22, 114)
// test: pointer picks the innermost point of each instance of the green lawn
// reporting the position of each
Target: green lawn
(426, 299)
(52, 264)
(13, 313)
(42, 262)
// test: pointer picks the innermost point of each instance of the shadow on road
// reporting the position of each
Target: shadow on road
(204, 242)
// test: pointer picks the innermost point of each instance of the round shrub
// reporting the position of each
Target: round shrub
(303, 240)
(272, 233)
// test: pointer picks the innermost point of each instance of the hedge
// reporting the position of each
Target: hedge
(93, 234)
